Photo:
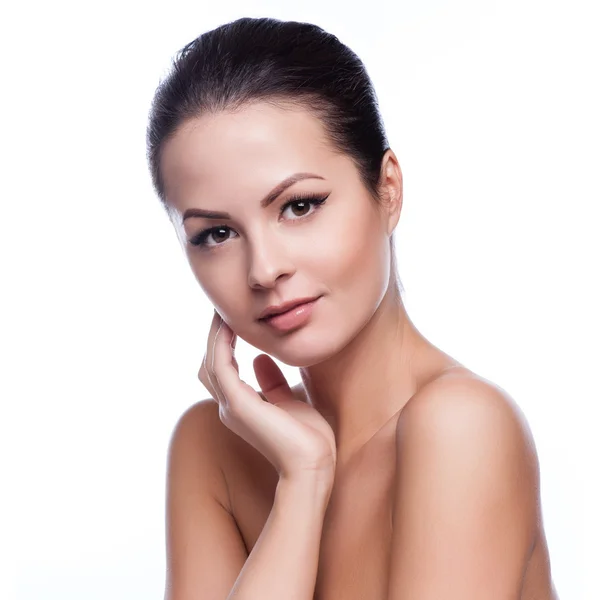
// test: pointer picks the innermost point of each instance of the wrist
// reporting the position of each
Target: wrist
(312, 486)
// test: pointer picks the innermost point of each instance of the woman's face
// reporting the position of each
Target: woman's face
(259, 255)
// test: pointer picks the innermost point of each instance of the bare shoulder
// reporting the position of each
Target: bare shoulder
(200, 411)
(462, 422)
(205, 551)
(202, 438)
(199, 422)
(466, 461)
(202, 422)
(461, 398)
(461, 414)
(204, 416)
(228, 453)
(197, 439)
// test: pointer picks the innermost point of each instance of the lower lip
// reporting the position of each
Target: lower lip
(293, 318)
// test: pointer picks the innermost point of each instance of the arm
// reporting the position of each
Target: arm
(206, 555)
(284, 561)
(205, 551)
(466, 495)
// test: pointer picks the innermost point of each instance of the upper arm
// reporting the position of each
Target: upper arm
(464, 513)
(205, 551)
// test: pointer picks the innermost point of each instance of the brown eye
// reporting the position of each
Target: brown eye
(301, 205)
(220, 234)
(216, 234)
(304, 206)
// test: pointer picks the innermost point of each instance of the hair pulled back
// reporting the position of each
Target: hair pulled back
(287, 63)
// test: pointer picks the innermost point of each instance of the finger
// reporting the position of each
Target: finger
(205, 380)
(233, 359)
(213, 385)
(271, 379)
(226, 375)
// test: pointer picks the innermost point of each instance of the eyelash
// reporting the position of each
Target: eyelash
(200, 238)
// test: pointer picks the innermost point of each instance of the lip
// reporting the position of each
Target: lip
(292, 319)
(286, 306)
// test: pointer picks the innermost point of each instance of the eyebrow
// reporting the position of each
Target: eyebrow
(268, 199)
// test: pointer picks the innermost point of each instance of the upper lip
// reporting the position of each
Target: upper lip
(281, 308)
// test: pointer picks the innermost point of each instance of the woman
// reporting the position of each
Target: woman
(393, 472)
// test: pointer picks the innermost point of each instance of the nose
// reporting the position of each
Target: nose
(268, 261)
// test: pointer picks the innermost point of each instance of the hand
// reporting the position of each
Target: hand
(291, 434)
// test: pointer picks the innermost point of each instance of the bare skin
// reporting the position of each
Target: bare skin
(355, 545)
(361, 359)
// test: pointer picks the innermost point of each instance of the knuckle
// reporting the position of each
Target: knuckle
(232, 408)
(224, 413)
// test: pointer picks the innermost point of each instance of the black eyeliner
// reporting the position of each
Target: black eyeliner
(199, 239)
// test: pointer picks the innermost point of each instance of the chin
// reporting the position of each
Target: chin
(302, 348)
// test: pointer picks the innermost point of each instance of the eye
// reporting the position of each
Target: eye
(304, 201)
(220, 232)
(200, 239)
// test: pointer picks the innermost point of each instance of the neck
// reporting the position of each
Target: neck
(362, 388)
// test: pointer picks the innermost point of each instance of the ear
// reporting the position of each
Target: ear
(390, 181)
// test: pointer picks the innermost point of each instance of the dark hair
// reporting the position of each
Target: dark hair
(281, 62)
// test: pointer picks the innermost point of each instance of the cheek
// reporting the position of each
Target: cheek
(350, 251)
(223, 284)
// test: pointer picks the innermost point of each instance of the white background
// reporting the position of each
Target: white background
(492, 110)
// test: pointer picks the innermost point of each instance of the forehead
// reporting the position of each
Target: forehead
(242, 152)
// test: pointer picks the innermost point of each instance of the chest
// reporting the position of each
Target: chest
(357, 527)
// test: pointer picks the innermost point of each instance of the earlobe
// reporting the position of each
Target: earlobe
(393, 219)
(393, 189)
(395, 206)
